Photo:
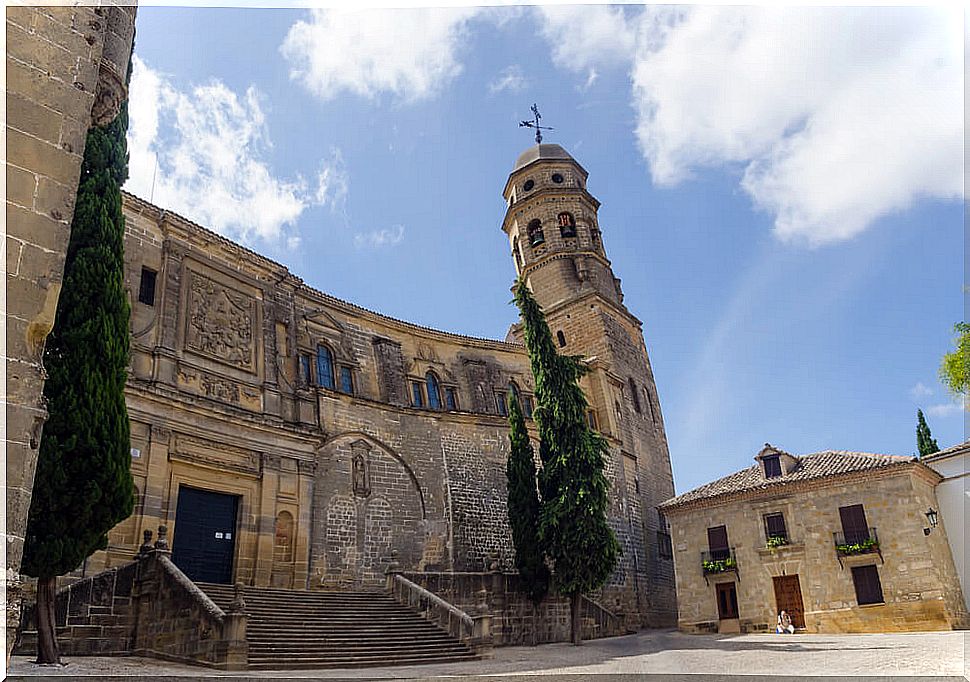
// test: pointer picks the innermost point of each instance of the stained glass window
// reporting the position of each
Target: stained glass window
(434, 397)
(325, 367)
(346, 380)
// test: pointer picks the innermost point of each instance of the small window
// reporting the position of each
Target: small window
(529, 184)
(417, 396)
(775, 527)
(527, 406)
(868, 589)
(567, 225)
(451, 399)
(325, 367)
(591, 420)
(561, 338)
(306, 369)
(557, 178)
(503, 408)
(664, 547)
(347, 380)
(146, 288)
(634, 396)
(535, 233)
(514, 390)
(855, 528)
(772, 466)
(717, 542)
(434, 397)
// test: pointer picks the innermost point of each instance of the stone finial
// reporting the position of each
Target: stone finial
(393, 565)
(237, 605)
(482, 602)
(161, 543)
(146, 545)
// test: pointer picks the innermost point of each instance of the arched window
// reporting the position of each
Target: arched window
(535, 233)
(567, 225)
(434, 396)
(514, 392)
(633, 394)
(325, 367)
(561, 338)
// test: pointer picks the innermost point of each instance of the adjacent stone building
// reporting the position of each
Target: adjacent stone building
(65, 71)
(291, 439)
(836, 539)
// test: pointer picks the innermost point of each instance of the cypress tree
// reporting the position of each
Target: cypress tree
(572, 526)
(925, 443)
(523, 507)
(82, 485)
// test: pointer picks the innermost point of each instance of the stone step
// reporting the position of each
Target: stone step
(300, 629)
(356, 662)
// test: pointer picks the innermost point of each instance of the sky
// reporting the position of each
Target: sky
(782, 189)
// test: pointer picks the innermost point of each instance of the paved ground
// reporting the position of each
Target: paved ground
(662, 653)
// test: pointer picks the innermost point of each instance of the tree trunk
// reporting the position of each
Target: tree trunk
(47, 650)
(576, 618)
(535, 624)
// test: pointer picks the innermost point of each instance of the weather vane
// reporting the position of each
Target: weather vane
(535, 124)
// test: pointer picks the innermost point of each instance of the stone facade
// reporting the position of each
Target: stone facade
(918, 587)
(346, 436)
(65, 71)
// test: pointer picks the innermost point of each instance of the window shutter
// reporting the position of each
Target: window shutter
(868, 589)
(854, 525)
(717, 539)
(775, 526)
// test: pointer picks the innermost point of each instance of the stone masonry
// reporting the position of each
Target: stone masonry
(65, 71)
(346, 436)
(919, 586)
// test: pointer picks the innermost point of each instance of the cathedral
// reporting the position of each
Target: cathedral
(290, 439)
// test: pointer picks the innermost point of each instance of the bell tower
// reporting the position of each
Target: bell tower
(553, 229)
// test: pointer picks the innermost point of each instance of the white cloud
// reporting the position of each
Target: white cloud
(379, 238)
(585, 36)
(332, 181)
(920, 390)
(409, 53)
(944, 409)
(510, 79)
(838, 116)
(200, 153)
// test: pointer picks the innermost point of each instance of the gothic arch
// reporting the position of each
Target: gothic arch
(354, 436)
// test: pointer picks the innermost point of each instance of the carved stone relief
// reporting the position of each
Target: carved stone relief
(220, 323)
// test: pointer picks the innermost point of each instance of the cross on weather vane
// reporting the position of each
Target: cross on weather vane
(535, 124)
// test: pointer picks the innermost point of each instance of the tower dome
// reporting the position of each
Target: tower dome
(541, 151)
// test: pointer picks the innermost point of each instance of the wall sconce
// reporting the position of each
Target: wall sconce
(933, 518)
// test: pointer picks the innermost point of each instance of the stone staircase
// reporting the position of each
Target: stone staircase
(292, 629)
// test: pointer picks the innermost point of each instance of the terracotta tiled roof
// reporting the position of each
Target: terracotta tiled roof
(812, 466)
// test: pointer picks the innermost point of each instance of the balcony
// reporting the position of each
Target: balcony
(719, 561)
(854, 544)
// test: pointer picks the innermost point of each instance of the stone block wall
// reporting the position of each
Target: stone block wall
(93, 616)
(917, 576)
(515, 620)
(65, 70)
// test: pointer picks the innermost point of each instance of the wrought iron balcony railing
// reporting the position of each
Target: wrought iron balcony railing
(719, 561)
(859, 542)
